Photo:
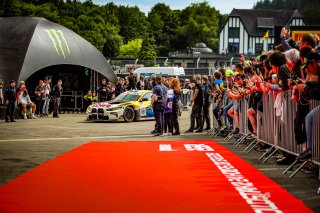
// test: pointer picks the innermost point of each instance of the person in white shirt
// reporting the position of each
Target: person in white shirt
(25, 102)
(47, 89)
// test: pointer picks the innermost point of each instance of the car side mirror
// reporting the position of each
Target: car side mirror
(144, 99)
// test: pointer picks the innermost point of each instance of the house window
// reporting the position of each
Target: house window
(259, 48)
(233, 47)
(234, 32)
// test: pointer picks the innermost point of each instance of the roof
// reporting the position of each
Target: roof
(263, 18)
(28, 45)
(202, 48)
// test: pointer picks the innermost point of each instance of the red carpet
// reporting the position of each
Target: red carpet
(136, 177)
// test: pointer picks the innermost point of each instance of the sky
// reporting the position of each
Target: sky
(224, 6)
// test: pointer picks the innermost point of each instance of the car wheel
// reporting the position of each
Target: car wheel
(128, 114)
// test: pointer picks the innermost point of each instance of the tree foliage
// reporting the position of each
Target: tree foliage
(147, 51)
(309, 9)
(163, 24)
(131, 49)
(199, 23)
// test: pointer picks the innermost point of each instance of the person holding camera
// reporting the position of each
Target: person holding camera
(158, 102)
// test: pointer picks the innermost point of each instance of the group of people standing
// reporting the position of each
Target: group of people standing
(165, 103)
(39, 107)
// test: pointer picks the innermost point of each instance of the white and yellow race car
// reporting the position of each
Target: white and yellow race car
(130, 106)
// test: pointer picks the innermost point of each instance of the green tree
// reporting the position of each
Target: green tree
(147, 52)
(309, 9)
(311, 13)
(133, 23)
(199, 24)
(131, 49)
(163, 23)
(111, 47)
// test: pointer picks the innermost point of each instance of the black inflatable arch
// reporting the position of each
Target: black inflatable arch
(28, 45)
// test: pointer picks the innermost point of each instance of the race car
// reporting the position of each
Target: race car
(131, 106)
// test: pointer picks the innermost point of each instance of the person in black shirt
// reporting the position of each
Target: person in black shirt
(56, 95)
(103, 91)
(197, 109)
(207, 103)
(39, 100)
(119, 87)
(10, 100)
(132, 81)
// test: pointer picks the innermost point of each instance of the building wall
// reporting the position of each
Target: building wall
(297, 22)
(242, 41)
(247, 43)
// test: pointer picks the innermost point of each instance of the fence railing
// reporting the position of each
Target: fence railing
(72, 100)
(186, 95)
(277, 129)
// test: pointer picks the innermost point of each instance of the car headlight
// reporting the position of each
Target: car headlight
(89, 109)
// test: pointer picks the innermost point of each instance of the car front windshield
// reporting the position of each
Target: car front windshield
(127, 97)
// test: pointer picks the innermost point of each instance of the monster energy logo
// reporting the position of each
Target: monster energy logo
(56, 36)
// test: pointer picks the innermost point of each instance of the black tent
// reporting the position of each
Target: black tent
(30, 44)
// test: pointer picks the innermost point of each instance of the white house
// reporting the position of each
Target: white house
(244, 30)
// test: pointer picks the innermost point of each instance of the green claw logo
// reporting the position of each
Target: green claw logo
(56, 36)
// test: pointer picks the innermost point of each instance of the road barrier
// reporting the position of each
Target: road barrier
(186, 96)
(72, 100)
(277, 129)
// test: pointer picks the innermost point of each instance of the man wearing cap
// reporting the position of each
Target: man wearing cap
(56, 95)
(10, 100)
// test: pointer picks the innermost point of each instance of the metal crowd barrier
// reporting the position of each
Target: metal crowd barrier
(72, 100)
(186, 96)
(243, 118)
(316, 131)
(278, 131)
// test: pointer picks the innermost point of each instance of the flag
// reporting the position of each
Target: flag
(265, 36)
